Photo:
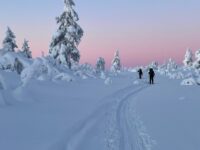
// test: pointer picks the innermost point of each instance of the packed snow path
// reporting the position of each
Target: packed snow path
(130, 133)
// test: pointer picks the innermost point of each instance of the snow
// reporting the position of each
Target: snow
(118, 112)
(8, 59)
(55, 103)
(173, 123)
(189, 81)
(108, 81)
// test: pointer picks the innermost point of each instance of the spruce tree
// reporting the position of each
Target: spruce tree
(100, 66)
(9, 43)
(188, 61)
(116, 63)
(64, 43)
(26, 49)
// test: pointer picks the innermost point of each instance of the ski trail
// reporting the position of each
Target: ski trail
(126, 139)
(121, 128)
(129, 132)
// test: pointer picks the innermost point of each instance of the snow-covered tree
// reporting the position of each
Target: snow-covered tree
(64, 43)
(9, 43)
(26, 49)
(197, 61)
(171, 64)
(154, 65)
(188, 61)
(100, 66)
(116, 63)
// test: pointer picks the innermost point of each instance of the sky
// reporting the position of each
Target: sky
(142, 30)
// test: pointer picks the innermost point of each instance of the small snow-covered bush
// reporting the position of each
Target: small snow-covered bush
(18, 66)
(63, 77)
(189, 81)
(198, 81)
(103, 75)
(154, 65)
(108, 81)
(85, 71)
(175, 75)
(8, 60)
(41, 69)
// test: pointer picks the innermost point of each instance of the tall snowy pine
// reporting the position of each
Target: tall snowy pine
(116, 63)
(9, 43)
(188, 61)
(64, 43)
(26, 49)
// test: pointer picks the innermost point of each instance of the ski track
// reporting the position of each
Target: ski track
(124, 130)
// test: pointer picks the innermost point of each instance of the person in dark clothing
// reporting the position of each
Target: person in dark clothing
(140, 73)
(151, 76)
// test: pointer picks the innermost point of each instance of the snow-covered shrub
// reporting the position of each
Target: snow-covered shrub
(154, 65)
(197, 61)
(64, 43)
(189, 81)
(85, 71)
(41, 69)
(116, 63)
(7, 61)
(171, 65)
(63, 77)
(100, 65)
(108, 81)
(188, 60)
(9, 43)
(134, 70)
(198, 80)
(103, 75)
(18, 66)
(175, 75)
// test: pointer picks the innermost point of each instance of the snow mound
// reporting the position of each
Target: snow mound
(198, 81)
(85, 71)
(7, 60)
(9, 80)
(136, 82)
(175, 75)
(63, 77)
(108, 81)
(41, 69)
(189, 81)
(103, 76)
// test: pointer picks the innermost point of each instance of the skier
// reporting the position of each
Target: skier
(140, 73)
(151, 76)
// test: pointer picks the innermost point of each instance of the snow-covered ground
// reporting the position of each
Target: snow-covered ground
(117, 113)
